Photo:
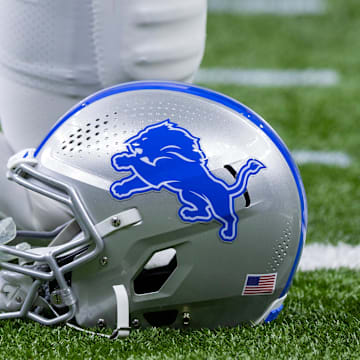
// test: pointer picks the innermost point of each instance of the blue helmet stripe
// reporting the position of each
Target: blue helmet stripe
(221, 99)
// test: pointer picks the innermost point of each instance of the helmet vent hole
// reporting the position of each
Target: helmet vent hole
(161, 318)
(156, 272)
(280, 250)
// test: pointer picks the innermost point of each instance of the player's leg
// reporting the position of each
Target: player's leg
(55, 52)
(14, 199)
(28, 113)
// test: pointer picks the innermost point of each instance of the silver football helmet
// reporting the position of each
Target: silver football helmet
(185, 208)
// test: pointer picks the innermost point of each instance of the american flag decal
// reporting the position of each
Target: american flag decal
(257, 284)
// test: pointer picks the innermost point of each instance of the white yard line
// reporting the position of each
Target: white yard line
(267, 78)
(320, 256)
(277, 7)
(332, 158)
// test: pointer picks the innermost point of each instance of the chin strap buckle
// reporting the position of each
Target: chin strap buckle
(62, 297)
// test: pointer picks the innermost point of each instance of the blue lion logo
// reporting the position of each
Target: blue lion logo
(166, 156)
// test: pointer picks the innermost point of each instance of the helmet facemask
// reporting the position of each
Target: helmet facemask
(68, 246)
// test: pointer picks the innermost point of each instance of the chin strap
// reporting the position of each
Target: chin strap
(122, 323)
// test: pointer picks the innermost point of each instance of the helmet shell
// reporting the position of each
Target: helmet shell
(208, 277)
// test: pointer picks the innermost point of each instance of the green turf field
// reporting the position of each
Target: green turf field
(320, 321)
(321, 317)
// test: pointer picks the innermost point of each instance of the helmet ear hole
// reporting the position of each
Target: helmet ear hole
(151, 279)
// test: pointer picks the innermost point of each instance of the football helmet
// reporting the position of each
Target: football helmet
(186, 209)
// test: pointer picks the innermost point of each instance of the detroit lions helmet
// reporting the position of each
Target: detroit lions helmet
(185, 209)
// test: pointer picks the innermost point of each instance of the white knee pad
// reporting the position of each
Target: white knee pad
(159, 39)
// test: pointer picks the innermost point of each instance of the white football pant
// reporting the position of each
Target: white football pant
(53, 53)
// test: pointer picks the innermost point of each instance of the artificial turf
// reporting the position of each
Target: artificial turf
(320, 320)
